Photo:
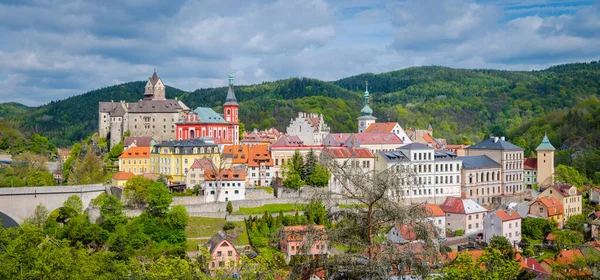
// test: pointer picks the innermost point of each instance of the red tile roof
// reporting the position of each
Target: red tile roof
(408, 230)
(258, 154)
(377, 138)
(554, 206)
(297, 232)
(136, 152)
(140, 141)
(551, 237)
(338, 138)
(568, 257)
(386, 127)
(256, 137)
(533, 265)
(530, 164)
(237, 153)
(123, 176)
(507, 215)
(457, 205)
(344, 152)
(202, 163)
(231, 174)
(434, 210)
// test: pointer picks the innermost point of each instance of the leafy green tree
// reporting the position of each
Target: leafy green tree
(461, 268)
(315, 213)
(177, 217)
(293, 181)
(241, 130)
(136, 190)
(567, 239)
(40, 216)
(229, 208)
(577, 223)
(320, 176)
(296, 163)
(497, 265)
(537, 228)
(115, 152)
(569, 175)
(159, 199)
(502, 244)
(112, 213)
(39, 178)
(72, 207)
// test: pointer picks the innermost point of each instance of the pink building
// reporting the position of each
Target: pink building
(223, 254)
(303, 240)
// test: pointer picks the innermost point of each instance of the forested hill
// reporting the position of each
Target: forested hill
(12, 108)
(462, 105)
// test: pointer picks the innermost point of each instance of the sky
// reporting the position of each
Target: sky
(53, 49)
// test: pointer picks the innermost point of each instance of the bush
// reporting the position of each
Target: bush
(459, 232)
(228, 226)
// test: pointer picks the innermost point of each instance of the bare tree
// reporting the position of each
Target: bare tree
(378, 197)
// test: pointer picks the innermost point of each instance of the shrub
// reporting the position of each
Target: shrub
(228, 226)
(459, 232)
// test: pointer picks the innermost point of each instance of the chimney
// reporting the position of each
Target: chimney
(495, 139)
(509, 213)
(502, 138)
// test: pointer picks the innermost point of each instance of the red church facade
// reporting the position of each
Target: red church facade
(206, 122)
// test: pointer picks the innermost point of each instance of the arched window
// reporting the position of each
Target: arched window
(228, 112)
(487, 176)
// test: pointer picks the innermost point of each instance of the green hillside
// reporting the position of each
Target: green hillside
(12, 108)
(462, 105)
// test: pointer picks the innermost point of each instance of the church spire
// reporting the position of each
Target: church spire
(366, 110)
(230, 100)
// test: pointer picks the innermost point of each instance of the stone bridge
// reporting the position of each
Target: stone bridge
(17, 204)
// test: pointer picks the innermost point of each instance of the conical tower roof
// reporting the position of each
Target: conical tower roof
(230, 100)
(366, 112)
(545, 145)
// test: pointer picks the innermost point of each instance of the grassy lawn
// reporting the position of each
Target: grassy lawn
(271, 208)
(192, 244)
(269, 190)
(546, 255)
(207, 227)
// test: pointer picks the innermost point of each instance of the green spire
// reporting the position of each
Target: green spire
(230, 77)
(545, 145)
(366, 110)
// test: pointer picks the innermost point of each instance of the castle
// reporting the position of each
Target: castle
(153, 116)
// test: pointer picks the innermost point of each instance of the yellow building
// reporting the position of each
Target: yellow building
(173, 159)
(569, 196)
(135, 160)
(545, 163)
(121, 177)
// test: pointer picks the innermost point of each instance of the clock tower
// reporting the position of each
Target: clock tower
(366, 113)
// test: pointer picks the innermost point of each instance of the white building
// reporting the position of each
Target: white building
(505, 223)
(350, 161)
(437, 217)
(389, 127)
(309, 127)
(406, 232)
(481, 179)
(284, 148)
(464, 214)
(433, 175)
(229, 185)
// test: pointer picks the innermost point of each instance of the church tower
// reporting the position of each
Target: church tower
(545, 163)
(230, 112)
(154, 89)
(366, 113)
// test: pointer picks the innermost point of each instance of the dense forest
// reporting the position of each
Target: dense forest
(462, 105)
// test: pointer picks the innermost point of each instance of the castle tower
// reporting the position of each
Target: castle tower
(230, 111)
(545, 163)
(154, 89)
(366, 113)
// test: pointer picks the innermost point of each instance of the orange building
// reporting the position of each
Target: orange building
(135, 160)
(549, 208)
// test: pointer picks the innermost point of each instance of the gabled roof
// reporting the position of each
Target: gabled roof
(123, 176)
(140, 141)
(495, 143)
(256, 137)
(155, 106)
(530, 164)
(563, 190)
(231, 174)
(375, 138)
(154, 79)
(216, 240)
(533, 265)
(458, 205)
(507, 215)
(386, 127)
(476, 162)
(298, 232)
(237, 153)
(202, 164)
(345, 152)
(258, 154)
(136, 152)
(338, 139)
(554, 206)
(434, 210)
(292, 141)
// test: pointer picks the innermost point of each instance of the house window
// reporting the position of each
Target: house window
(230, 253)
(236, 192)
(219, 253)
